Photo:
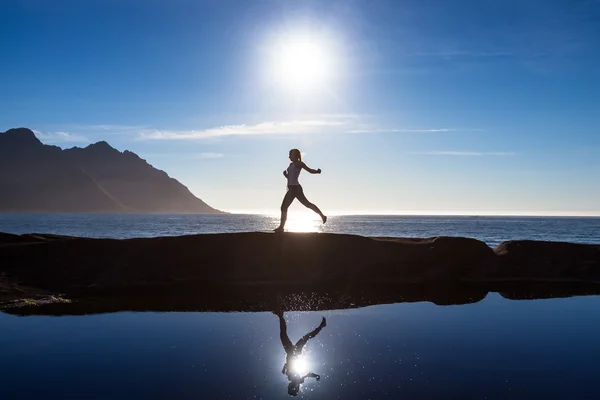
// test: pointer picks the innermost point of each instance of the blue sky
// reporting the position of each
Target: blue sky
(445, 107)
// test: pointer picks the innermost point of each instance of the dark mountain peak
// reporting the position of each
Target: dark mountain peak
(132, 156)
(100, 149)
(102, 145)
(96, 178)
(19, 137)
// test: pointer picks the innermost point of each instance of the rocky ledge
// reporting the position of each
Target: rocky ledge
(42, 264)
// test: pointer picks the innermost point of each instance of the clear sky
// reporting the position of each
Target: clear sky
(408, 106)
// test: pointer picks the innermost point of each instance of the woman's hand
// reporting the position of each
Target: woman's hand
(309, 169)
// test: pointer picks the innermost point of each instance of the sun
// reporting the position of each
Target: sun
(302, 63)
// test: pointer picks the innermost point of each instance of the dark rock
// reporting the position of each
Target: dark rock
(537, 260)
(336, 260)
(7, 238)
(263, 271)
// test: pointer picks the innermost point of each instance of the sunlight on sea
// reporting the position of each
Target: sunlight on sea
(303, 222)
(300, 365)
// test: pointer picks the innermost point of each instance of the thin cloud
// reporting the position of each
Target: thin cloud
(60, 137)
(111, 129)
(183, 156)
(264, 128)
(466, 153)
(324, 123)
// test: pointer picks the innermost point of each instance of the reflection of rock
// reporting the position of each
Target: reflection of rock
(254, 298)
(540, 290)
(11, 291)
(533, 260)
(257, 298)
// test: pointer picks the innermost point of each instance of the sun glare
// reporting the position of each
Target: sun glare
(302, 63)
(300, 365)
(303, 222)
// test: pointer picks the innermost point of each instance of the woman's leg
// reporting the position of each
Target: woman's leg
(285, 204)
(285, 340)
(300, 344)
(302, 199)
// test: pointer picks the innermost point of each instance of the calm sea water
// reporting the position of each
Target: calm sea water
(491, 230)
(494, 349)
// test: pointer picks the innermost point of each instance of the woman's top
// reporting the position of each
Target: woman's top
(293, 174)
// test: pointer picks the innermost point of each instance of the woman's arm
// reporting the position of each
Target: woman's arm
(312, 171)
(311, 375)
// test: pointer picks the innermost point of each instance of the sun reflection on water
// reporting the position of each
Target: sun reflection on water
(303, 222)
(300, 365)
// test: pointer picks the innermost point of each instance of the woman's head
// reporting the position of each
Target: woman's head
(293, 388)
(295, 155)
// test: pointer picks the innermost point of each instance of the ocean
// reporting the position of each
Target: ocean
(492, 230)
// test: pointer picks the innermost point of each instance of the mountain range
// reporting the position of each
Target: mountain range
(35, 177)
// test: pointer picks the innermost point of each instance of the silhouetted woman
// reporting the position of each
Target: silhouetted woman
(293, 351)
(294, 189)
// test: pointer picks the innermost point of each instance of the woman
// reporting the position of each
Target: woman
(293, 351)
(294, 189)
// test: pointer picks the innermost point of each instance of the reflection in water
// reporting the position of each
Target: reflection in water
(194, 296)
(495, 349)
(296, 365)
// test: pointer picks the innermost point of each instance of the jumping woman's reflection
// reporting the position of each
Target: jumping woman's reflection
(293, 352)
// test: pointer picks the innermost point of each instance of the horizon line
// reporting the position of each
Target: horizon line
(428, 213)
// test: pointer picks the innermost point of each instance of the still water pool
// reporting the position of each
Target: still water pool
(493, 349)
